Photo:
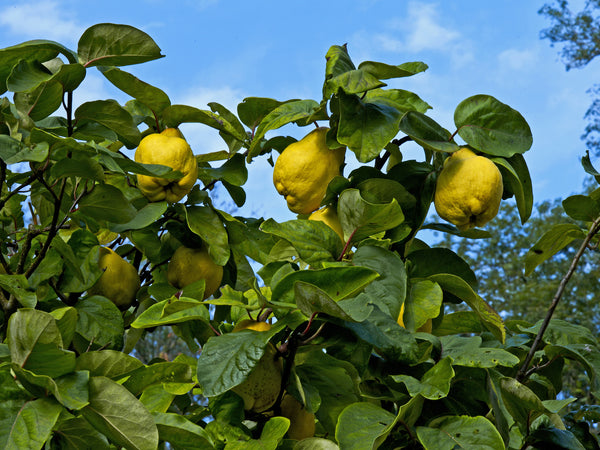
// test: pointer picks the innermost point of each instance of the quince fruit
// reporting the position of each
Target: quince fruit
(119, 282)
(329, 217)
(193, 264)
(469, 190)
(249, 324)
(304, 169)
(426, 327)
(167, 148)
(302, 422)
(261, 388)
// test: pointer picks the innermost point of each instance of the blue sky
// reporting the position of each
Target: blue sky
(224, 51)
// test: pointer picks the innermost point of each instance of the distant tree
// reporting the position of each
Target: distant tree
(579, 35)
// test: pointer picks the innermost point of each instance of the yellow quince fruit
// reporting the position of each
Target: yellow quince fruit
(167, 148)
(469, 190)
(304, 169)
(120, 280)
(261, 388)
(249, 324)
(329, 217)
(426, 327)
(302, 422)
(188, 265)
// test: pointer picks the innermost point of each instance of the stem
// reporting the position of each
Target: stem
(346, 246)
(559, 292)
(69, 111)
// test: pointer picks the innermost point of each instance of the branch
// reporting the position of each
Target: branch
(594, 229)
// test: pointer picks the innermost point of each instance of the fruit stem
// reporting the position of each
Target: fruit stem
(346, 246)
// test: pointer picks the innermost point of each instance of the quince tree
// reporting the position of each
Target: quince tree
(342, 328)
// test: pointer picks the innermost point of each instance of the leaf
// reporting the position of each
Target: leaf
(32, 426)
(184, 310)
(438, 260)
(70, 390)
(180, 432)
(400, 99)
(77, 433)
(227, 360)
(492, 127)
(588, 167)
(252, 110)
(361, 424)
(111, 115)
(337, 282)
(270, 437)
(352, 82)
(153, 97)
(338, 62)
(79, 166)
(314, 241)
(159, 373)
(384, 71)
(434, 384)
(204, 221)
(311, 299)
(107, 202)
(551, 242)
(109, 44)
(146, 216)
(544, 437)
(116, 413)
(521, 402)
(35, 344)
(99, 322)
(40, 102)
(18, 286)
(278, 117)
(107, 363)
(175, 115)
(467, 351)
(315, 443)
(452, 432)
(365, 127)
(361, 219)
(27, 75)
(516, 179)
(233, 171)
(427, 132)
(423, 303)
(581, 207)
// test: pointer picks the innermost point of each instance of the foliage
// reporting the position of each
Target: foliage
(69, 378)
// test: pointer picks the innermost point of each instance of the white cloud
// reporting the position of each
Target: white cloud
(44, 19)
(517, 60)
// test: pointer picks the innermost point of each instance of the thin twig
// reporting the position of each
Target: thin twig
(559, 292)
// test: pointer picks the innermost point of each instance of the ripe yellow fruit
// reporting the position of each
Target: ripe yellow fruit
(302, 422)
(193, 264)
(426, 327)
(304, 169)
(119, 282)
(261, 388)
(329, 217)
(469, 190)
(167, 148)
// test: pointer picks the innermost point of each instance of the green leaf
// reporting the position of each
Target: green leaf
(467, 351)
(315, 443)
(521, 402)
(79, 166)
(70, 390)
(77, 433)
(70, 76)
(516, 179)
(492, 127)
(452, 432)
(233, 171)
(365, 127)
(581, 207)
(269, 439)
(27, 75)
(311, 299)
(385, 71)
(337, 282)
(434, 384)
(551, 242)
(99, 322)
(40, 102)
(107, 363)
(18, 286)
(352, 82)
(400, 99)
(116, 413)
(361, 424)
(438, 260)
(32, 426)
(153, 97)
(338, 62)
(278, 117)
(111, 115)
(253, 110)
(170, 312)
(427, 132)
(107, 202)
(314, 241)
(423, 302)
(588, 167)
(175, 115)
(180, 432)
(545, 437)
(35, 344)
(109, 44)
(361, 219)
(158, 373)
(204, 221)
(146, 216)
(66, 320)
(227, 360)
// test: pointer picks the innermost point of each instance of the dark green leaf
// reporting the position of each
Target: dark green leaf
(41, 101)
(77, 433)
(175, 115)
(360, 424)
(99, 323)
(402, 100)
(492, 127)
(384, 71)
(146, 216)
(551, 242)
(181, 310)
(106, 202)
(588, 167)
(233, 171)
(110, 114)
(180, 432)
(108, 363)
(158, 373)
(109, 44)
(434, 384)
(352, 82)
(581, 207)
(32, 425)
(71, 390)
(204, 221)
(517, 180)
(18, 286)
(310, 299)
(467, 351)
(253, 110)
(427, 132)
(452, 432)
(80, 166)
(27, 75)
